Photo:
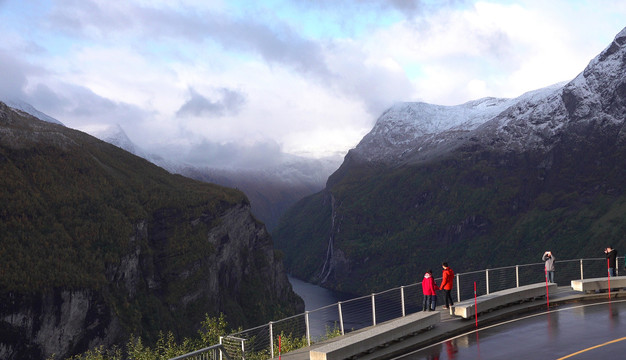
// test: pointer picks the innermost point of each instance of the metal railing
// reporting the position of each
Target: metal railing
(215, 352)
(262, 342)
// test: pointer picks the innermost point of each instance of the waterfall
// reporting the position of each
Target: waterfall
(328, 266)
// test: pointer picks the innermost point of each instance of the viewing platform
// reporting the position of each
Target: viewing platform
(357, 344)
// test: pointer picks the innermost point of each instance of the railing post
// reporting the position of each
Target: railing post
(581, 269)
(458, 289)
(271, 341)
(243, 350)
(517, 275)
(402, 299)
(373, 310)
(487, 278)
(221, 343)
(340, 318)
(308, 329)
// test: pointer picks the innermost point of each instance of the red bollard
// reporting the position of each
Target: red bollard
(547, 291)
(608, 273)
(475, 306)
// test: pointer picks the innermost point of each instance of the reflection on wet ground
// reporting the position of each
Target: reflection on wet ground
(573, 331)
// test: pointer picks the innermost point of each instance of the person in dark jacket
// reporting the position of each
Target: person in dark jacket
(446, 284)
(549, 260)
(611, 255)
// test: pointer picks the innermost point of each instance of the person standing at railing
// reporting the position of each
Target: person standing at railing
(549, 260)
(429, 288)
(446, 284)
(611, 254)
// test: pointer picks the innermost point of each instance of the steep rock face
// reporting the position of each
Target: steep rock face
(98, 244)
(58, 322)
(480, 189)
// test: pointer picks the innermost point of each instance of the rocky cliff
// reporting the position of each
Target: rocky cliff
(98, 244)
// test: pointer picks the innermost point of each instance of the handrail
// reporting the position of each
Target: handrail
(219, 347)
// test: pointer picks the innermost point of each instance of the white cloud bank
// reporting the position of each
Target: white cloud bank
(300, 77)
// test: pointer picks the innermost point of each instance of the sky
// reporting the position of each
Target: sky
(209, 79)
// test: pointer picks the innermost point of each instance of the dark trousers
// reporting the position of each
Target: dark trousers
(429, 303)
(426, 303)
(448, 297)
(612, 272)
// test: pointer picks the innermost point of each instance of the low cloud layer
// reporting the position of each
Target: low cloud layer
(228, 102)
(232, 80)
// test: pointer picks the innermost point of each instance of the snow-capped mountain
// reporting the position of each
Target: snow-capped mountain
(412, 128)
(594, 97)
(410, 132)
(29, 109)
(115, 135)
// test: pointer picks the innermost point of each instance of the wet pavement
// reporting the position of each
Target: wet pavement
(574, 331)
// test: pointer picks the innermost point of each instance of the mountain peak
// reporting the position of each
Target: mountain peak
(29, 109)
(116, 135)
(417, 126)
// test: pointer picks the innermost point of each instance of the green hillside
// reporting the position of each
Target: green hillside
(66, 214)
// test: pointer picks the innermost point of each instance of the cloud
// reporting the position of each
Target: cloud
(230, 103)
(82, 109)
(90, 18)
(235, 155)
(355, 8)
(13, 76)
(275, 42)
(302, 77)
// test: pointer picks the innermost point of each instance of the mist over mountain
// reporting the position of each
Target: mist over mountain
(272, 180)
(482, 184)
(273, 190)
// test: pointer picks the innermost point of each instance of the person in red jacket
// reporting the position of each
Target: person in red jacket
(429, 288)
(446, 284)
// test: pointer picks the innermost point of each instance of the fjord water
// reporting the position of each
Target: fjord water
(316, 297)
(323, 311)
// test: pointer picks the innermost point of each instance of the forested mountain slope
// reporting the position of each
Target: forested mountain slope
(97, 244)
